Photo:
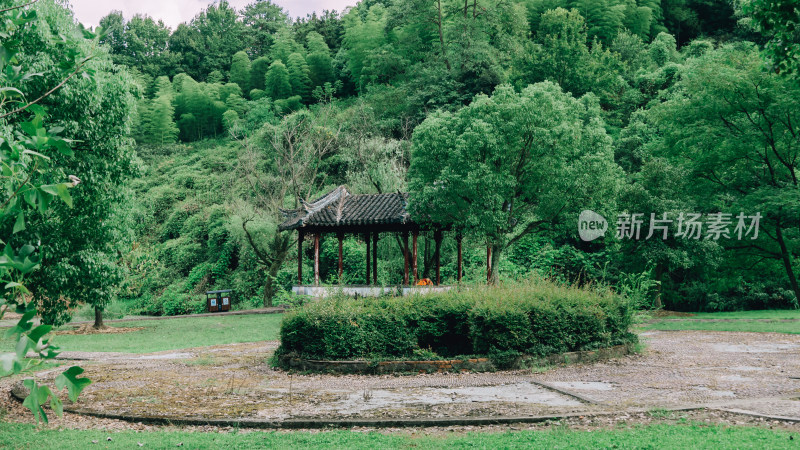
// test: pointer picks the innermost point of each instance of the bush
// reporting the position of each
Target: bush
(172, 302)
(536, 318)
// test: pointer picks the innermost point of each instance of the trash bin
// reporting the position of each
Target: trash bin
(212, 301)
(219, 300)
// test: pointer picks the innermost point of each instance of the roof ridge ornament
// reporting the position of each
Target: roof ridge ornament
(340, 207)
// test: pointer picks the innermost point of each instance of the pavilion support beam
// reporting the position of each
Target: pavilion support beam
(405, 258)
(316, 259)
(460, 257)
(375, 258)
(437, 252)
(488, 263)
(366, 238)
(414, 256)
(341, 238)
(300, 258)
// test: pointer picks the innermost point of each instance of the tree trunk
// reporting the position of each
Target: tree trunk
(269, 283)
(441, 34)
(659, 277)
(787, 261)
(426, 264)
(98, 317)
(495, 277)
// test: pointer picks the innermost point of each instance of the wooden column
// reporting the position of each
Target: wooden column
(341, 237)
(488, 263)
(460, 258)
(366, 238)
(437, 252)
(300, 258)
(316, 259)
(414, 256)
(405, 258)
(375, 258)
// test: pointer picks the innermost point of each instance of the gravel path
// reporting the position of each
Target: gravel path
(754, 372)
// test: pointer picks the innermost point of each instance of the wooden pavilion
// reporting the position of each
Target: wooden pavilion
(340, 212)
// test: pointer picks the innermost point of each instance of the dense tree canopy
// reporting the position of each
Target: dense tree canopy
(512, 163)
(504, 120)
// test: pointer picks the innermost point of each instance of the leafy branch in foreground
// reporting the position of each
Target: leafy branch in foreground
(25, 172)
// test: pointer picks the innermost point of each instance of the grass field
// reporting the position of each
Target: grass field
(738, 325)
(767, 321)
(760, 314)
(183, 332)
(653, 436)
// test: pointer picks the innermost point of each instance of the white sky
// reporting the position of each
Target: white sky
(173, 12)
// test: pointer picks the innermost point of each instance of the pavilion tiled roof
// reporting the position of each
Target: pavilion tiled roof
(340, 208)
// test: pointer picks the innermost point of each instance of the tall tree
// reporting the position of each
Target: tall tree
(545, 154)
(733, 126)
(277, 84)
(262, 20)
(140, 43)
(258, 72)
(298, 76)
(240, 71)
(162, 123)
(187, 43)
(30, 182)
(220, 37)
(284, 45)
(315, 43)
(81, 264)
(559, 52)
(328, 24)
(296, 147)
(362, 37)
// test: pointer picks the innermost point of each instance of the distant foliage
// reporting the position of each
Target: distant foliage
(277, 84)
(779, 21)
(240, 71)
(619, 101)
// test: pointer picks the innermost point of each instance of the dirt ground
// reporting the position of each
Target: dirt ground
(728, 373)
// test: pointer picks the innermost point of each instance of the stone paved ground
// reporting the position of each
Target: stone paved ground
(756, 372)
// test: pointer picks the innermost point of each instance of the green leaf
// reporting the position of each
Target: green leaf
(19, 224)
(56, 405)
(29, 128)
(75, 385)
(63, 193)
(23, 344)
(24, 324)
(49, 188)
(62, 147)
(8, 89)
(36, 398)
(26, 250)
(9, 364)
(39, 333)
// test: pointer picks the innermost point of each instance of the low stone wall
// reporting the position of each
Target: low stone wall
(450, 365)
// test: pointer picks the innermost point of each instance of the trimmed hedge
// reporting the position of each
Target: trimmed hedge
(536, 318)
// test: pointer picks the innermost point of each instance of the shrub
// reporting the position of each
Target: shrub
(535, 318)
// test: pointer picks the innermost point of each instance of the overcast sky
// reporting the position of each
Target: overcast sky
(173, 12)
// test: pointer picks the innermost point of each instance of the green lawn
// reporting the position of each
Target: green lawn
(767, 321)
(760, 314)
(183, 332)
(739, 325)
(654, 436)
